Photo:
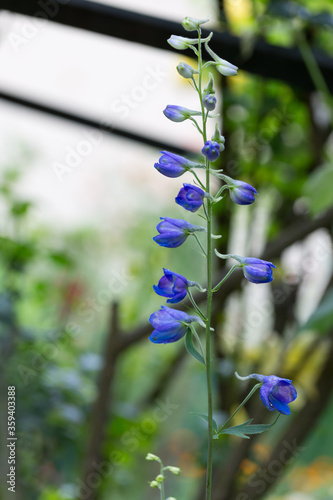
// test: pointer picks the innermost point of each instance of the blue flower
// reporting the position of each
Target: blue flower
(257, 270)
(190, 197)
(242, 193)
(173, 232)
(275, 393)
(211, 150)
(209, 102)
(172, 285)
(172, 165)
(169, 325)
(179, 114)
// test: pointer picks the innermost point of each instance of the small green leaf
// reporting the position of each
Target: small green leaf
(318, 189)
(205, 417)
(245, 428)
(190, 347)
(20, 208)
(321, 319)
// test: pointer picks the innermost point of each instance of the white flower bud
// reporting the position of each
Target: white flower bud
(180, 42)
(192, 24)
(185, 70)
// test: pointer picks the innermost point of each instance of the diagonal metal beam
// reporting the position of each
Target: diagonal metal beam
(103, 125)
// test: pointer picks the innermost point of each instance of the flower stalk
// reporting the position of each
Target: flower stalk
(170, 324)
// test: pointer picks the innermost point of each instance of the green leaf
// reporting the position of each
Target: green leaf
(245, 428)
(318, 189)
(191, 348)
(205, 417)
(322, 319)
(20, 208)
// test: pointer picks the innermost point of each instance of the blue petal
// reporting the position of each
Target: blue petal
(170, 240)
(279, 405)
(158, 337)
(264, 394)
(284, 391)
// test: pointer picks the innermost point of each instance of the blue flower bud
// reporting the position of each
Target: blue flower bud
(180, 42)
(211, 150)
(190, 197)
(192, 24)
(242, 193)
(209, 102)
(257, 270)
(224, 67)
(172, 165)
(172, 285)
(275, 393)
(173, 232)
(186, 71)
(169, 325)
(178, 113)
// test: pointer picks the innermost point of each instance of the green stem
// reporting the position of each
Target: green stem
(313, 69)
(195, 306)
(194, 332)
(225, 278)
(209, 291)
(162, 492)
(197, 178)
(200, 244)
(241, 405)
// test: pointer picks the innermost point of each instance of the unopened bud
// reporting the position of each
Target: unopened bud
(180, 42)
(192, 24)
(186, 71)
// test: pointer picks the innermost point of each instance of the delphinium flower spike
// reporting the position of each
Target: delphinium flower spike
(169, 324)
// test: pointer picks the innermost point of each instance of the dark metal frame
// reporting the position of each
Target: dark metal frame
(285, 64)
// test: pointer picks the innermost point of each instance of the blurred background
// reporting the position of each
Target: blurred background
(81, 128)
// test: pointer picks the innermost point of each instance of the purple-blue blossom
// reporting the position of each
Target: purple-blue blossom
(178, 113)
(257, 270)
(172, 165)
(169, 325)
(190, 197)
(242, 193)
(172, 285)
(209, 102)
(173, 232)
(211, 150)
(275, 393)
